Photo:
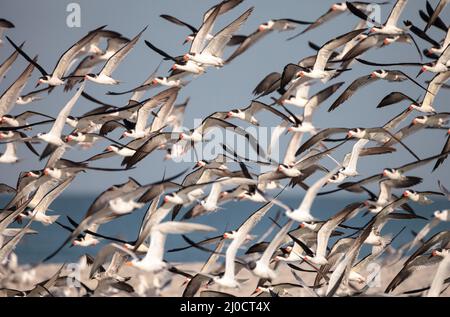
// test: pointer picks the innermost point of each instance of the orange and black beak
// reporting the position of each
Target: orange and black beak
(257, 290)
(422, 70)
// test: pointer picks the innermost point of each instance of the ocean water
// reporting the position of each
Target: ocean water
(34, 248)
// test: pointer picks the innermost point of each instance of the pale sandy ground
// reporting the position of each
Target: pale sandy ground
(138, 279)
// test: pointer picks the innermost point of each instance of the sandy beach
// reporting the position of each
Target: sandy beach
(142, 282)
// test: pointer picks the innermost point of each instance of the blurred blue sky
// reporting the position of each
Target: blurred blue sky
(42, 24)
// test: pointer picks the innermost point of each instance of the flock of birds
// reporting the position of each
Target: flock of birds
(300, 248)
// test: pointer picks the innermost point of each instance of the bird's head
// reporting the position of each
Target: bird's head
(34, 174)
(128, 133)
(229, 234)
(43, 80)
(282, 167)
(355, 133)
(420, 120)
(201, 163)
(69, 138)
(90, 76)
(265, 26)
(168, 198)
(389, 172)
(6, 118)
(300, 74)
(412, 106)
(189, 39)
(409, 193)
(339, 6)
(111, 148)
(389, 40)
(233, 113)
(424, 69)
(156, 80)
(379, 73)
(183, 136)
(72, 121)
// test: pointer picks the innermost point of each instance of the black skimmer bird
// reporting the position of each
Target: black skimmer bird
(90, 61)
(225, 6)
(57, 78)
(389, 75)
(334, 11)
(211, 53)
(319, 70)
(264, 29)
(104, 76)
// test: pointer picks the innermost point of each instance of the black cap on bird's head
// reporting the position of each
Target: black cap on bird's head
(189, 38)
(42, 80)
(424, 68)
(156, 80)
(90, 75)
(388, 170)
(232, 112)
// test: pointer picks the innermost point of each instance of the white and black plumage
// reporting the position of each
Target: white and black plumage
(225, 6)
(198, 134)
(390, 26)
(56, 78)
(336, 257)
(211, 53)
(264, 29)
(389, 75)
(427, 104)
(238, 237)
(319, 70)
(104, 76)
(334, 11)
(54, 135)
(153, 260)
(390, 29)
(90, 61)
